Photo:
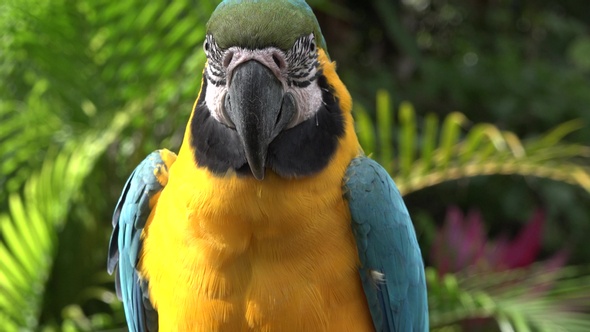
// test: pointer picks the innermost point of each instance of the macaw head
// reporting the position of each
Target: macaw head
(270, 98)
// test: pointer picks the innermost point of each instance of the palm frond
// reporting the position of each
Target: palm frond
(23, 149)
(454, 149)
(29, 230)
(126, 55)
(528, 299)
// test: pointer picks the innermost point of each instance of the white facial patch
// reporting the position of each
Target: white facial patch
(214, 98)
(296, 69)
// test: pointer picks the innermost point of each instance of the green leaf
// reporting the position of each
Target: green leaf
(578, 53)
(385, 124)
(527, 299)
(451, 130)
(44, 206)
(407, 120)
(481, 149)
(429, 141)
(365, 130)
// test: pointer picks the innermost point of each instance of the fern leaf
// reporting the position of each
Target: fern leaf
(29, 230)
(464, 150)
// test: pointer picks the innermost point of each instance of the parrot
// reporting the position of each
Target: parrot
(271, 217)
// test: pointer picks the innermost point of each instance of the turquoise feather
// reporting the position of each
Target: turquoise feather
(387, 244)
(131, 214)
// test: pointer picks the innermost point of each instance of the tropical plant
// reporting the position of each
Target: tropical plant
(30, 229)
(80, 81)
(90, 87)
(444, 153)
(462, 243)
(496, 284)
(537, 298)
(525, 299)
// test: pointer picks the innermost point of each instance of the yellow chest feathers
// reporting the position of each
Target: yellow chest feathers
(231, 254)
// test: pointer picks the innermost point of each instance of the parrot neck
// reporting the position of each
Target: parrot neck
(242, 208)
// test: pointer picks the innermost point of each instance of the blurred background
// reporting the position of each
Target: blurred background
(478, 108)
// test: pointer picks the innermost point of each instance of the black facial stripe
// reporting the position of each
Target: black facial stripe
(301, 84)
(214, 74)
(215, 71)
(214, 56)
(216, 82)
(215, 65)
(299, 151)
(300, 75)
(305, 83)
(301, 59)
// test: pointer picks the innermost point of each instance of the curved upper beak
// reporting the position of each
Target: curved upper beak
(259, 109)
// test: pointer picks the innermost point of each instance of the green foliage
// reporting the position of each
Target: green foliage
(90, 87)
(531, 299)
(30, 229)
(81, 77)
(448, 152)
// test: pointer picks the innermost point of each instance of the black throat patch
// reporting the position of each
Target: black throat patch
(296, 152)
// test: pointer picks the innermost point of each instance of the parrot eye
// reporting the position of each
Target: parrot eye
(311, 47)
(210, 47)
(302, 60)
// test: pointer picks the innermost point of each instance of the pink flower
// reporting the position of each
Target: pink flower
(462, 243)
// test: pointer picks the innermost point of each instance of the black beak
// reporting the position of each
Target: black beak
(259, 109)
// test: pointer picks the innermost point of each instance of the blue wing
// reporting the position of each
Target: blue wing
(392, 270)
(129, 218)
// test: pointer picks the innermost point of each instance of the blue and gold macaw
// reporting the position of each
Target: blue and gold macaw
(270, 218)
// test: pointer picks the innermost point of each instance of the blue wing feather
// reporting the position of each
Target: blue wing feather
(129, 218)
(386, 243)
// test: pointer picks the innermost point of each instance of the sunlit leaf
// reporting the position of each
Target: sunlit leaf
(481, 149)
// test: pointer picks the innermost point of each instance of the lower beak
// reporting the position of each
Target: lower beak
(259, 109)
